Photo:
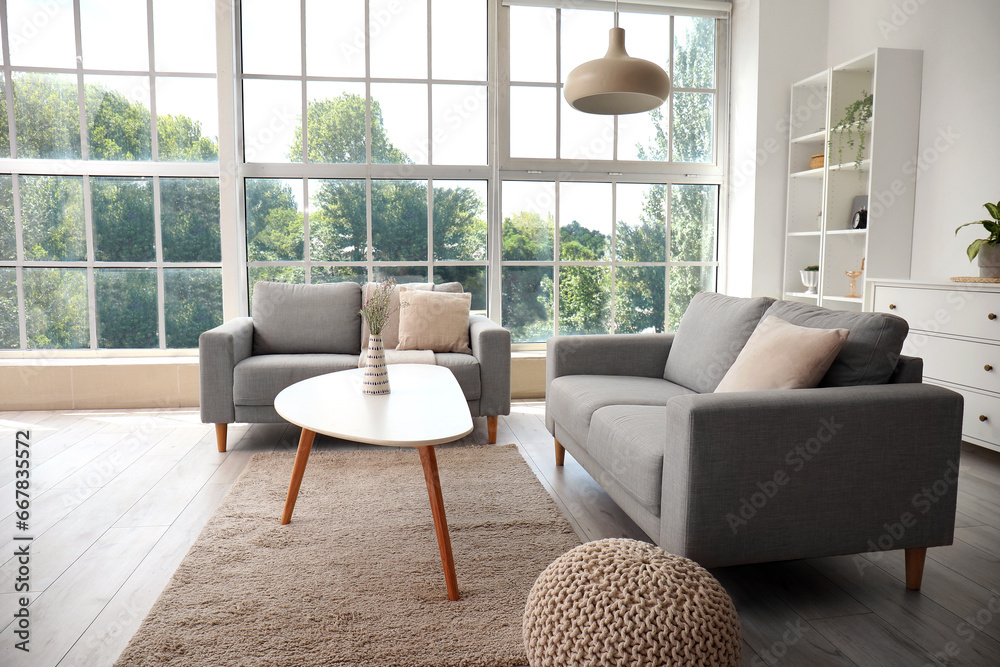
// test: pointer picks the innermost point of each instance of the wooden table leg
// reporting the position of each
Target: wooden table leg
(429, 462)
(299, 469)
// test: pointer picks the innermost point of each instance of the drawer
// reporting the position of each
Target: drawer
(978, 406)
(958, 361)
(956, 312)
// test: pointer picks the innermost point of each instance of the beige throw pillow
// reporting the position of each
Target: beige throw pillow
(780, 355)
(437, 321)
(390, 332)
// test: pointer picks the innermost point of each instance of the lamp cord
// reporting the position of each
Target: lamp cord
(616, 13)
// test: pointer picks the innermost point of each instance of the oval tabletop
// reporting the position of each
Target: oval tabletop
(426, 406)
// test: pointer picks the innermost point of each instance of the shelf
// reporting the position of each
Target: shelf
(802, 295)
(809, 173)
(846, 232)
(865, 164)
(845, 299)
(815, 233)
(819, 136)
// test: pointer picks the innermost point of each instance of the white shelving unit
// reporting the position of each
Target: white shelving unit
(820, 200)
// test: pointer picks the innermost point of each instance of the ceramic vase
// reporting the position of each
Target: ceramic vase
(810, 279)
(989, 261)
(376, 377)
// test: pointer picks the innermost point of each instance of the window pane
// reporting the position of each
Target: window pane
(55, 302)
(584, 222)
(271, 113)
(335, 38)
(399, 221)
(647, 36)
(533, 44)
(460, 220)
(401, 110)
(528, 221)
(192, 303)
(459, 34)
(641, 228)
(126, 308)
(459, 124)
(8, 249)
(694, 52)
(277, 274)
(118, 117)
(401, 274)
(533, 121)
(639, 299)
(643, 136)
(586, 136)
(274, 220)
(693, 121)
(187, 119)
(9, 335)
(123, 219)
(527, 302)
(184, 35)
(42, 33)
(189, 216)
(114, 35)
(584, 299)
(685, 282)
(694, 216)
(52, 218)
(4, 131)
(398, 34)
(339, 274)
(271, 32)
(338, 221)
(336, 124)
(473, 279)
(47, 116)
(585, 36)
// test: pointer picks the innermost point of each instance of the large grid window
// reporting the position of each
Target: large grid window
(609, 223)
(109, 188)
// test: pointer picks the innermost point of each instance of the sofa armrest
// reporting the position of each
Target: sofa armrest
(773, 475)
(490, 345)
(219, 350)
(643, 355)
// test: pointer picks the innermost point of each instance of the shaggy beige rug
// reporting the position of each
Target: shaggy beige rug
(356, 577)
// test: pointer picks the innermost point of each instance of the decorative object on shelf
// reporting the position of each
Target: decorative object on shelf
(853, 275)
(617, 83)
(816, 161)
(987, 250)
(810, 278)
(856, 116)
(376, 312)
(859, 212)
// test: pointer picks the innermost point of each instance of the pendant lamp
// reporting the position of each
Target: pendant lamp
(617, 83)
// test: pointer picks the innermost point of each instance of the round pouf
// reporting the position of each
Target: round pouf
(624, 602)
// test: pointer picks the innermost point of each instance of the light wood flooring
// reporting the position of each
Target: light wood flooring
(118, 497)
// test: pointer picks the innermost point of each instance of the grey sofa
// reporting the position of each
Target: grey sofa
(298, 331)
(867, 461)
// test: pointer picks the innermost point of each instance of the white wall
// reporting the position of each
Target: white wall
(959, 115)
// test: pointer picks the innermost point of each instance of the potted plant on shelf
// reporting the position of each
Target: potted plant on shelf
(988, 249)
(856, 116)
(810, 278)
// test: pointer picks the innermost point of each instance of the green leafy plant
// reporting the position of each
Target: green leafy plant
(992, 226)
(377, 308)
(851, 128)
(811, 267)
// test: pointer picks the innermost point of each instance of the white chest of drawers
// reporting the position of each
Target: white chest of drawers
(955, 328)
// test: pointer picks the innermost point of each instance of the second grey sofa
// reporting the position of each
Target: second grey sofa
(299, 331)
(755, 476)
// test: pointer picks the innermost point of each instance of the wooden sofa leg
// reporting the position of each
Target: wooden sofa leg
(915, 567)
(491, 428)
(220, 436)
(560, 453)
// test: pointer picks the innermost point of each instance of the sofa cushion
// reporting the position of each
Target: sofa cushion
(466, 370)
(628, 442)
(295, 319)
(390, 332)
(872, 348)
(573, 399)
(711, 334)
(258, 379)
(436, 321)
(780, 355)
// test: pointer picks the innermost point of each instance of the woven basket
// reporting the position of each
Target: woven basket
(816, 161)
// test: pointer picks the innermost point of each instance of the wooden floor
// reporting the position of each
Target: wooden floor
(118, 497)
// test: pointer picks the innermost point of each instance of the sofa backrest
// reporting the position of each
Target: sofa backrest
(869, 355)
(390, 332)
(710, 336)
(294, 319)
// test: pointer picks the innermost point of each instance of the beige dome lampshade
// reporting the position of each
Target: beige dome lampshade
(617, 83)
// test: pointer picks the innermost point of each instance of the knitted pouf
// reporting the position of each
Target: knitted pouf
(623, 602)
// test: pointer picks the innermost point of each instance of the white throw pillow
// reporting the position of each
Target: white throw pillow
(437, 321)
(780, 355)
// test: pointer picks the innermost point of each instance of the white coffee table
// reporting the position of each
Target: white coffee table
(425, 408)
